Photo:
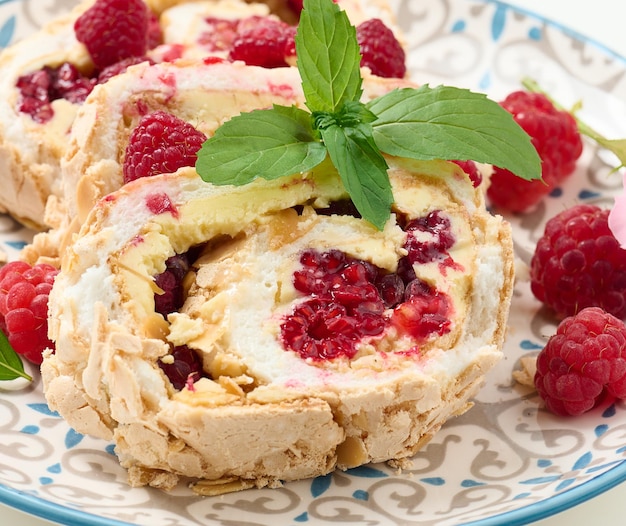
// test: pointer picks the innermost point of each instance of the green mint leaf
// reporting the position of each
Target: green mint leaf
(362, 169)
(263, 143)
(350, 114)
(328, 57)
(452, 124)
(11, 366)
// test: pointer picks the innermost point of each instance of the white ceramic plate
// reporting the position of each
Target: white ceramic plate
(506, 461)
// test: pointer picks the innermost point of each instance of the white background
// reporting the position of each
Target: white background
(602, 21)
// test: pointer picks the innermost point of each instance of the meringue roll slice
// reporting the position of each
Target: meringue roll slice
(47, 76)
(247, 336)
(203, 93)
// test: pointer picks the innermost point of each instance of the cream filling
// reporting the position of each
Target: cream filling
(246, 303)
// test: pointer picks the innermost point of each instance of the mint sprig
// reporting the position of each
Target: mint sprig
(425, 123)
(328, 57)
(11, 366)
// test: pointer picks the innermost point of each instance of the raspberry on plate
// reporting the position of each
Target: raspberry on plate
(578, 263)
(554, 135)
(24, 291)
(113, 30)
(161, 143)
(583, 363)
(380, 50)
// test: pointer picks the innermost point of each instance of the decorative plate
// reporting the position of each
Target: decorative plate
(505, 462)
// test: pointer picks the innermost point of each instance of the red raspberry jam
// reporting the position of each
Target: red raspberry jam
(351, 301)
(160, 203)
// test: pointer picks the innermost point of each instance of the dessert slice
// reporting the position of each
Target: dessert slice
(260, 34)
(318, 304)
(204, 93)
(243, 336)
(47, 76)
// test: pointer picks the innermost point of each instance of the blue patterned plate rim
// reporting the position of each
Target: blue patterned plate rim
(563, 28)
(558, 503)
(50, 511)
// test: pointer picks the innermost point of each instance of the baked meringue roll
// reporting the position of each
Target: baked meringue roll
(245, 336)
(47, 76)
(205, 94)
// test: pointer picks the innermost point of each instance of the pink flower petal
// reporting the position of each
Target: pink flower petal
(617, 217)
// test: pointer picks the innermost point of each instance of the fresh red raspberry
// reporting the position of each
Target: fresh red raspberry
(263, 41)
(24, 291)
(120, 67)
(113, 30)
(554, 135)
(154, 32)
(584, 363)
(295, 5)
(380, 50)
(578, 263)
(470, 168)
(161, 143)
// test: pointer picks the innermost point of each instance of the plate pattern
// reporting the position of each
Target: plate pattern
(506, 461)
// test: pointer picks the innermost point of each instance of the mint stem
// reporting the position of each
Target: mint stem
(617, 146)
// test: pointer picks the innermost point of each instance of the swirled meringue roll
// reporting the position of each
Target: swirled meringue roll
(204, 94)
(32, 146)
(190, 23)
(288, 354)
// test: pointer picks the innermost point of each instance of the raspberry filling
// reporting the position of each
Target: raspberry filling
(40, 88)
(160, 203)
(170, 281)
(346, 302)
(429, 239)
(352, 301)
(182, 367)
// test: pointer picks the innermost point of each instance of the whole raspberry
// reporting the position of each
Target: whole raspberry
(554, 135)
(113, 30)
(578, 263)
(160, 143)
(295, 5)
(263, 41)
(470, 168)
(120, 67)
(583, 363)
(380, 50)
(24, 291)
